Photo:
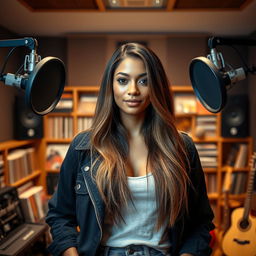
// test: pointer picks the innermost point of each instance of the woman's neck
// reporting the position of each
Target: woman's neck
(133, 125)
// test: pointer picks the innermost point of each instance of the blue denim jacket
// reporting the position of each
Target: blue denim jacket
(77, 203)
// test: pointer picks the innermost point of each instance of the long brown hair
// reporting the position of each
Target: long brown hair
(167, 158)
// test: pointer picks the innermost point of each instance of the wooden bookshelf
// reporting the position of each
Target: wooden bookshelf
(7, 147)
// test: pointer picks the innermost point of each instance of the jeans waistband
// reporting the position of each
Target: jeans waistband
(130, 250)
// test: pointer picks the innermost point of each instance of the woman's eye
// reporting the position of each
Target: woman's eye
(122, 81)
(143, 81)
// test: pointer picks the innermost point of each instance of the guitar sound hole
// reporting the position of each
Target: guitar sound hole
(244, 224)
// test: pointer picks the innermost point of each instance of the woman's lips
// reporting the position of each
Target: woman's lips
(132, 103)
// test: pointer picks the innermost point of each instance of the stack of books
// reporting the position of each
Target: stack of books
(65, 104)
(206, 126)
(208, 154)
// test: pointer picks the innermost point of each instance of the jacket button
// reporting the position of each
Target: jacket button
(78, 186)
(86, 168)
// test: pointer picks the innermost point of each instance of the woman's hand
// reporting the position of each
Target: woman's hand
(186, 254)
(72, 251)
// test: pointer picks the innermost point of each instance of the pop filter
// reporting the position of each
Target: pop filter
(209, 84)
(45, 85)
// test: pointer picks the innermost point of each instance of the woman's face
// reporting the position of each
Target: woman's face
(131, 92)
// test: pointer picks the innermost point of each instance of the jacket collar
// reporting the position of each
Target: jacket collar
(83, 139)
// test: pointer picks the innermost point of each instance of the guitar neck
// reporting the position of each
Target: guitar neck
(248, 200)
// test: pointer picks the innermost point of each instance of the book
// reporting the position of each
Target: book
(25, 187)
(239, 182)
(55, 154)
(242, 156)
(231, 157)
(32, 204)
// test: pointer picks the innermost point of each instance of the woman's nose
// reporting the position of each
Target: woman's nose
(133, 89)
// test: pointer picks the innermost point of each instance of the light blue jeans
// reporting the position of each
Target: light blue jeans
(131, 250)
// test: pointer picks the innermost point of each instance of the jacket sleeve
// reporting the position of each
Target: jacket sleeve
(198, 223)
(61, 216)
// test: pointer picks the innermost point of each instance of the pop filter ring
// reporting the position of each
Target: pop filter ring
(33, 76)
(218, 77)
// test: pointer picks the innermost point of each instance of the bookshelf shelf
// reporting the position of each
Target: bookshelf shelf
(213, 196)
(12, 144)
(52, 141)
(69, 114)
(52, 171)
(34, 175)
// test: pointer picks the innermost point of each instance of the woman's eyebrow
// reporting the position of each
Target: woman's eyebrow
(125, 74)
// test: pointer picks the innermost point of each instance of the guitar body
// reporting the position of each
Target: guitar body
(240, 240)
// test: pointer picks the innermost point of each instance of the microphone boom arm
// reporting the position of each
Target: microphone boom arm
(29, 42)
(214, 41)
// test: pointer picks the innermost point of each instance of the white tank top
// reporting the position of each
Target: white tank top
(140, 219)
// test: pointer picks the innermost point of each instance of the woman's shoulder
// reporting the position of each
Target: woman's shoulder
(81, 141)
(189, 144)
(187, 139)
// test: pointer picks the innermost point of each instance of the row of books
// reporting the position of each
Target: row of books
(84, 123)
(65, 104)
(206, 126)
(55, 154)
(2, 182)
(208, 154)
(237, 156)
(60, 127)
(86, 103)
(238, 183)
(21, 163)
(33, 202)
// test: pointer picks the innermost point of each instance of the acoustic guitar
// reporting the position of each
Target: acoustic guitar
(240, 238)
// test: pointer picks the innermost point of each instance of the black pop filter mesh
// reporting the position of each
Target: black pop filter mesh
(208, 84)
(45, 85)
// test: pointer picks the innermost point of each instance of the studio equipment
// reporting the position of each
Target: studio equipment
(235, 117)
(43, 79)
(211, 77)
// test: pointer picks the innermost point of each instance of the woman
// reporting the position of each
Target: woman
(132, 185)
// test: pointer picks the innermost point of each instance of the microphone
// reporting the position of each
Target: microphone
(43, 80)
(211, 77)
(234, 75)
